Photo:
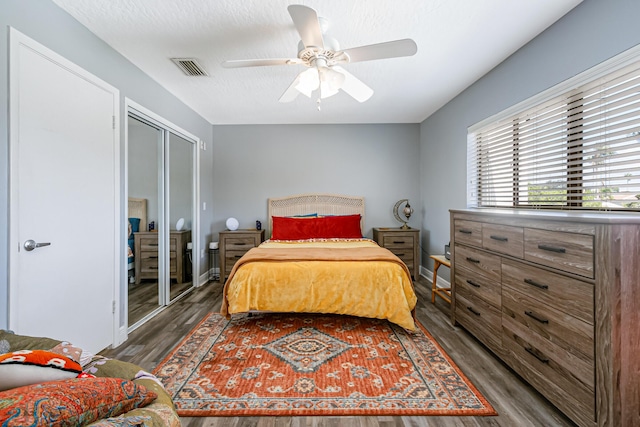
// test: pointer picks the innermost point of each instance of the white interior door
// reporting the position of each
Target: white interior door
(64, 196)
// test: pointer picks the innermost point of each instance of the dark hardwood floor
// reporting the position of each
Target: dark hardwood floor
(515, 401)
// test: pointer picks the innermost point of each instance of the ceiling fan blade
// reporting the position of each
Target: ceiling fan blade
(393, 49)
(292, 92)
(260, 62)
(353, 86)
(307, 24)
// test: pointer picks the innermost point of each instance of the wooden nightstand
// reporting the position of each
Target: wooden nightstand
(146, 255)
(402, 242)
(234, 244)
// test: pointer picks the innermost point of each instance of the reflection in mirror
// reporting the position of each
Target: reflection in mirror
(145, 195)
(181, 218)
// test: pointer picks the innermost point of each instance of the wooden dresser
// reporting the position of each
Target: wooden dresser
(557, 297)
(146, 255)
(404, 243)
(234, 244)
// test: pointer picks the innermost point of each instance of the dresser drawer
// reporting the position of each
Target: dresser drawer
(480, 318)
(568, 338)
(487, 289)
(405, 254)
(149, 265)
(148, 254)
(468, 232)
(552, 379)
(478, 262)
(240, 243)
(149, 244)
(553, 290)
(231, 257)
(571, 252)
(399, 241)
(504, 239)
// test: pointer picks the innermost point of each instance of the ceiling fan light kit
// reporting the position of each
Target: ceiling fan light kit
(323, 57)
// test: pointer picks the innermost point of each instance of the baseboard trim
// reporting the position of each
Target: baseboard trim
(428, 274)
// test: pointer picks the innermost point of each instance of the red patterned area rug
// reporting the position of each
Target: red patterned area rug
(285, 364)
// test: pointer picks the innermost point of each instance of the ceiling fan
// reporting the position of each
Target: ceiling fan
(322, 55)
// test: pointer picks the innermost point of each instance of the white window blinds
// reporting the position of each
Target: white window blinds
(579, 148)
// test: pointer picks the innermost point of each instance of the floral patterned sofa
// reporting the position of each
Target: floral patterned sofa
(47, 382)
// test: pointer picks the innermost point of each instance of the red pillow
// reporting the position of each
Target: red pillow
(340, 226)
(285, 228)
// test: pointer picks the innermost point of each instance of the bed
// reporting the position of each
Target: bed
(316, 261)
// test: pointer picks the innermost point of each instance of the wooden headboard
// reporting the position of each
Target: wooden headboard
(138, 209)
(322, 204)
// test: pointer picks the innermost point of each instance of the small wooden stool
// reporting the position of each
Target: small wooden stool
(444, 293)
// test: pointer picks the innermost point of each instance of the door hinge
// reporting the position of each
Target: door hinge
(113, 306)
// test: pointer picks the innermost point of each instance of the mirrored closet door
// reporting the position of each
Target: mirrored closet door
(161, 182)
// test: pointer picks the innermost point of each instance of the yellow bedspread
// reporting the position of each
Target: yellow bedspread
(353, 277)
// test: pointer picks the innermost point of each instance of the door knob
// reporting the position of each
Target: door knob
(30, 245)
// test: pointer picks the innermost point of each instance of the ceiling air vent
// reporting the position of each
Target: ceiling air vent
(189, 66)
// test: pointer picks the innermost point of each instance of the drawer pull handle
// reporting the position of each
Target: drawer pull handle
(399, 255)
(500, 238)
(152, 244)
(465, 231)
(536, 317)
(238, 244)
(473, 260)
(153, 268)
(534, 353)
(398, 242)
(536, 284)
(472, 283)
(153, 257)
(473, 311)
(552, 249)
(238, 256)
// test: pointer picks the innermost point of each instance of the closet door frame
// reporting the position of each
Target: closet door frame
(157, 121)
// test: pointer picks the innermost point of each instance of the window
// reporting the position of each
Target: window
(575, 146)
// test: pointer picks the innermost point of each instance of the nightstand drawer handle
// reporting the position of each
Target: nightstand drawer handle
(153, 257)
(398, 242)
(534, 353)
(473, 260)
(500, 238)
(238, 256)
(400, 255)
(152, 244)
(465, 231)
(552, 249)
(536, 317)
(473, 311)
(472, 283)
(536, 284)
(239, 244)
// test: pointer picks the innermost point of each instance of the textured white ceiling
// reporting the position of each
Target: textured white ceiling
(458, 42)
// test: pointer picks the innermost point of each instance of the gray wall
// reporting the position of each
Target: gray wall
(253, 163)
(594, 31)
(46, 23)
